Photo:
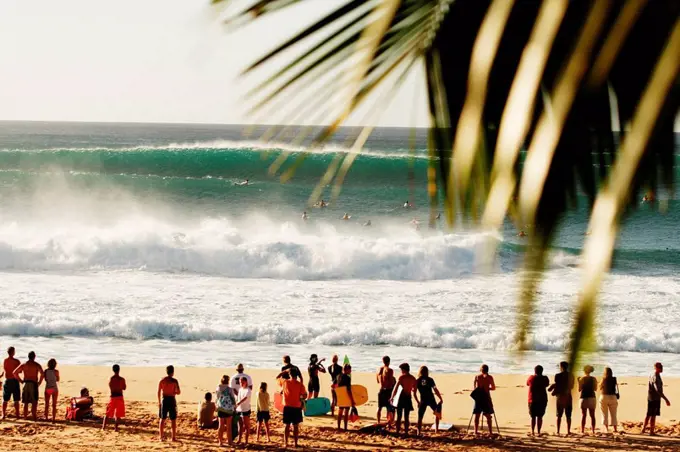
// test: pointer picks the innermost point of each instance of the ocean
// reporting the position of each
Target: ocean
(135, 243)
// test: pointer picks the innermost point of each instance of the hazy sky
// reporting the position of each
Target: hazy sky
(142, 60)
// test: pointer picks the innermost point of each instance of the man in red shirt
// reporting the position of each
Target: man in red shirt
(538, 398)
(293, 394)
(116, 407)
(11, 390)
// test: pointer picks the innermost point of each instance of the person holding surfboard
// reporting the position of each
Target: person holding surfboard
(401, 396)
(345, 381)
(293, 395)
(334, 370)
(482, 387)
(385, 377)
(427, 389)
(314, 385)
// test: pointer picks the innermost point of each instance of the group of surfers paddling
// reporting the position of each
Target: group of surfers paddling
(231, 411)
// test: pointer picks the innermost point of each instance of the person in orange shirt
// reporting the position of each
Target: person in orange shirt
(293, 395)
(168, 388)
(116, 408)
(12, 389)
(33, 378)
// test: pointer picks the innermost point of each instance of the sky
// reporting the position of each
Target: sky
(147, 61)
(154, 61)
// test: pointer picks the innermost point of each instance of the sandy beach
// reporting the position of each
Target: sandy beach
(139, 433)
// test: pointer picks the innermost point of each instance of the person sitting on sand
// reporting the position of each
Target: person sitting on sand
(561, 389)
(83, 406)
(427, 389)
(609, 399)
(226, 408)
(315, 367)
(116, 408)
(385, 377)
(263, 410)
(654, 396)
(243, 409)
(334, 370)
(168, 389)
(51, 388)
(345, 381)
(483, 402)
(205, 418)
(11, 388)
(235, 380)
(538, 398)
(33, 376)
(404, 405)
(587, 385)
(293, 395)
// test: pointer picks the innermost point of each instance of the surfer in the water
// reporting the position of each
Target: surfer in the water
(304, 216)
(315, 366)
(346, 216)
(368, 223)
(407, 205)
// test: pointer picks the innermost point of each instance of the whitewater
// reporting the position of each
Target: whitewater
(119, 244)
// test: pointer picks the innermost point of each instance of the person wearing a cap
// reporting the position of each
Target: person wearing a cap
(235, 381)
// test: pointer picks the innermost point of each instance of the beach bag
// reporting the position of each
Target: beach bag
(225, 402)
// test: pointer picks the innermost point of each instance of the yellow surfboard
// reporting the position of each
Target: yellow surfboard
(360, 394)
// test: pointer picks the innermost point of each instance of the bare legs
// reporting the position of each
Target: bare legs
(343, 414)
(266, 429)
(4, 409)
(286, 434)
(224, 424)
(244, 423)
(53, 398)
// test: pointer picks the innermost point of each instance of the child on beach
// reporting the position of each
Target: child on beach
(587, 385)
(334, 370)
(116, 408)
(385, 377)
(263, 410)
(206, 413)
(168, 389)
(408, 385)
(51, 388)
(243, 408)
(345, 381)
(483, 385)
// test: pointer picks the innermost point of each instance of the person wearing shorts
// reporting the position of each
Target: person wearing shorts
(587, 385)
(293, 395)
(427, 389)
(168, 390)
(263, 410)
(12, 389)
(33, 376)
(334, 370)
(243, 408)
(407, 382)
(654, 397)
(385, 377)
(538, 398)
(483, 385)
(561, 389)
(116, 408)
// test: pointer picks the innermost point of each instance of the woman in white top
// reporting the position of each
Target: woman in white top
(243, 409)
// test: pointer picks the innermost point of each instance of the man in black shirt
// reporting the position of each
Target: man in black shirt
(427, 388)
(288, 366)
(562, 389)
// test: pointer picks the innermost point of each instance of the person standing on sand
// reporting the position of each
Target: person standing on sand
(538, 398)
(11, 389)
(116, 408)
(483, 403)
(226, 407)
(235, 380)
(263, 410)
(654, 396)
(288, 366)
(314, 385)
(561, 389)
(587, 386)
(168, 389)
(244, 409)
(385, 377)
(334, 370)
(609, 399)
(293, 395)
(345, 381)
(51, 388)
(404, 405)
(427, 389)
(33, 378)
